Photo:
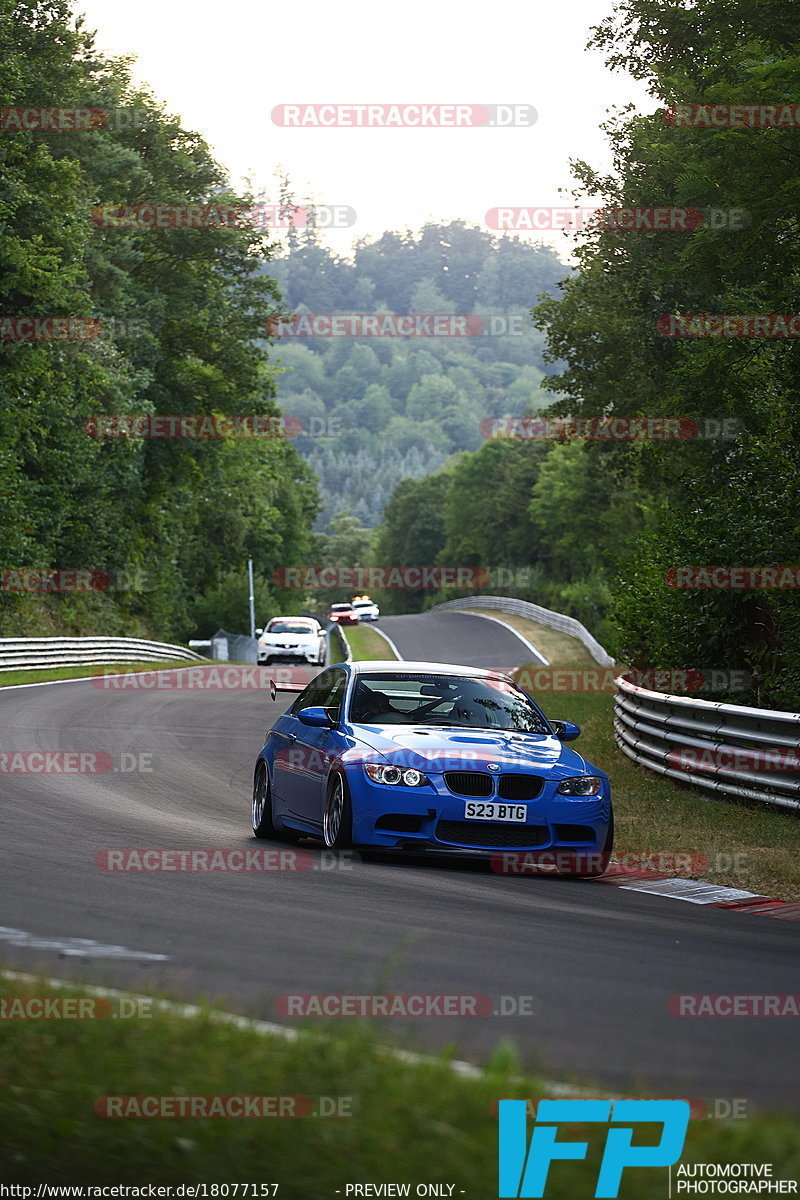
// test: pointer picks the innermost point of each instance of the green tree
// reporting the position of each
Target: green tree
(412, 535)
(740, 498)
(189, 510)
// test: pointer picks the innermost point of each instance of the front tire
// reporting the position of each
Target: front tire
(337, 817)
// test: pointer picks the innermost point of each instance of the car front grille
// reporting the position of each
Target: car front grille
(469, 783)
(491, 835)
(519, 787)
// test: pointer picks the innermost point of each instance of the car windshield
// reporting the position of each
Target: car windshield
(341, 607)
(463, 701)
(289, 627)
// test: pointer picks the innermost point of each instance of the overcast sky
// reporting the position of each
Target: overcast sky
(223, 67)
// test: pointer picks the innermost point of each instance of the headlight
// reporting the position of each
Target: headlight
(580, 785)
(409, 777)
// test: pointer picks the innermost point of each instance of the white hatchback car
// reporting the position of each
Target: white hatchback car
(296, 639)
(367, 609)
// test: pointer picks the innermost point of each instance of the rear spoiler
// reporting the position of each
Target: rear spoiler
(274, 688)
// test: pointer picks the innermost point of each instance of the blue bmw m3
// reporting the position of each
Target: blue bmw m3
(413, 756)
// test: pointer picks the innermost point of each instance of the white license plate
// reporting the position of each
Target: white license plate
(480, 810)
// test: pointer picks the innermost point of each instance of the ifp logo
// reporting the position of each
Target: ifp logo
(523, 1170)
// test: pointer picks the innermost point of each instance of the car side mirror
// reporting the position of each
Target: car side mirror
(316, 716)
(259, 632)
(566, 731)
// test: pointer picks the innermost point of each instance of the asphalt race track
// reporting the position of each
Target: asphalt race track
(599, 963)
(456, 637)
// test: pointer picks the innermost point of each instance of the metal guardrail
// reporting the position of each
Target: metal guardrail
(336, 636)
(24, 653)
(535, 612)
(734, 750)
(725, 743)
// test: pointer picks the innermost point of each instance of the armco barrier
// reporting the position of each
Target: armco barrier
(28, 653)
(535, 612)
(338, 645)
(711, 745)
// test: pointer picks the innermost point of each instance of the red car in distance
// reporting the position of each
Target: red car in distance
(343, 614)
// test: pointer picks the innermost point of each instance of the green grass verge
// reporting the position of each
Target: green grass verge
(755, 847)
(367, 643)
(749, 846)
(413, 1123)
(88, 669)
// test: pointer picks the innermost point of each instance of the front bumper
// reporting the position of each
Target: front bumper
(432, 818)
(280, 652)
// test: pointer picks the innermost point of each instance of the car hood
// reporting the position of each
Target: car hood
(470, 750)
(288, 639)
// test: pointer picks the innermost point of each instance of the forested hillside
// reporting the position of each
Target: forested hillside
(381, 409)
(103, 321)
(163, 321)
(603, 525)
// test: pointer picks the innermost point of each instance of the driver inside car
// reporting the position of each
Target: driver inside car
(369, 705)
